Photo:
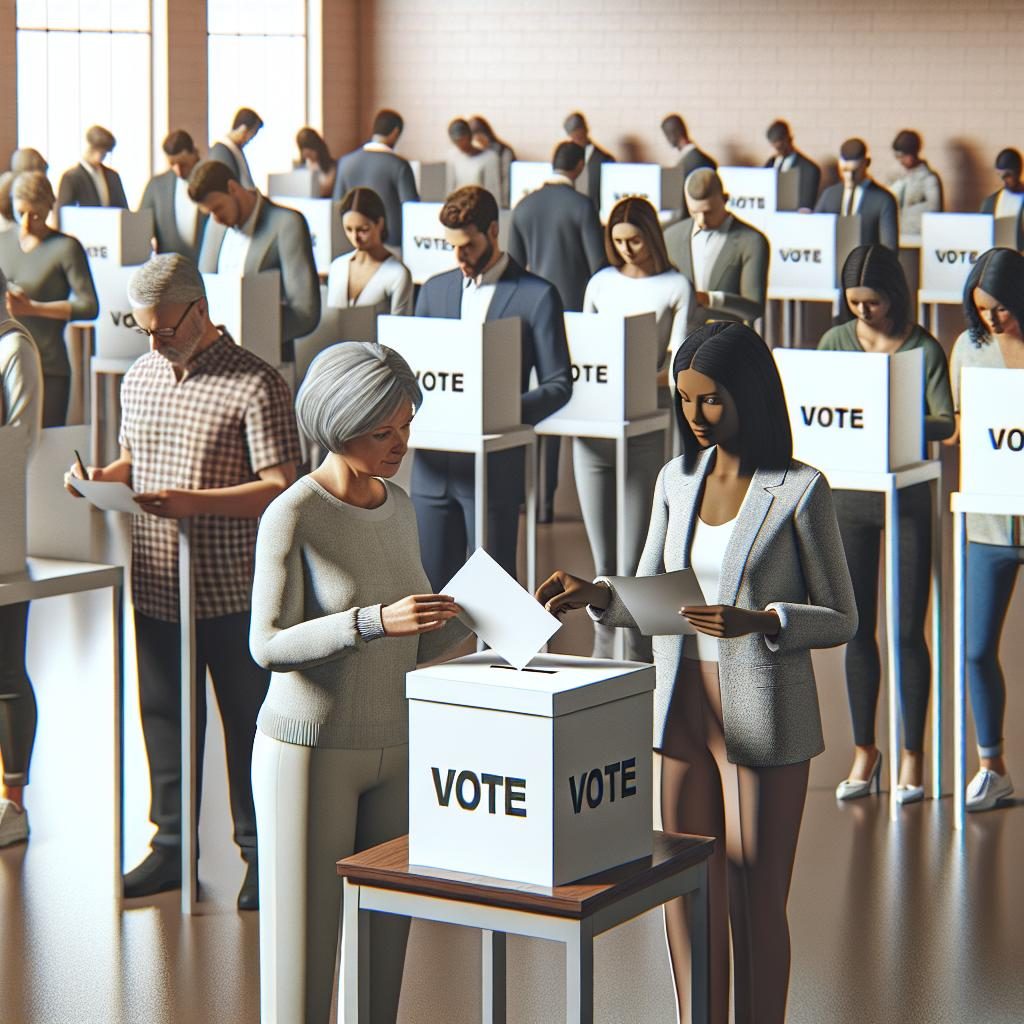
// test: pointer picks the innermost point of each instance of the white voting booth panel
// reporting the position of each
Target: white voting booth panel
(301, 182)
(992, 431)
(431, 179)
(857, 412)
(614, 368)
(13, 537)
(250, 308)
(752, 192)
(358, 323)
(116, 337)
(661, 186)
(526, 176)
(803, 255)
(541, 776)
(324, 219)
(469, 373)
(119, 237)
(950, 246)
(425, 250)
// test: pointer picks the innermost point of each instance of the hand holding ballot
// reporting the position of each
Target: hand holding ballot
(418, 613)
(562, 592)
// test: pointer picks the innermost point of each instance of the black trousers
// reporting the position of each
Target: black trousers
(56, 394)
(17, 701)
(240, 685)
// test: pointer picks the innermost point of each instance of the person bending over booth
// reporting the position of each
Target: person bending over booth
(858, 194)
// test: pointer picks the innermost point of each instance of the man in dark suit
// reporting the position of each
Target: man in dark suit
(228, 151)
(486, 285)
(589, 181)
(856, 194)
(90, 183)
(690, 157)
(789, 160)
(376, 165)
(248, 234)
(178, 223)
(1008, 202)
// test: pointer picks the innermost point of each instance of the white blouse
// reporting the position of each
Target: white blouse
(707, 552)
(391, 283)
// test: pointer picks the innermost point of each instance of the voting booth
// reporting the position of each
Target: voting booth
(803, 256)
(541, 776)
(249, 307)
(752, 192)
(119, 237)
(661, 186)
(323, 216)
(526, 176)
(13, 537)
(854, 412)
(431, 179)
(992, 432)
(951, 244)
(301, 182)
(357, 323)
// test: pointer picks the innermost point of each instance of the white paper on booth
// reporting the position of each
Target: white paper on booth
(654, 601)
(109, 496)
(504, 615)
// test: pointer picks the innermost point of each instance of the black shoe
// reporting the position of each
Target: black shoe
(159, 872)
(249, 894)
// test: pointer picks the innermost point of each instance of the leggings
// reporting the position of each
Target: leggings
(755, 815)
(991, 575)
(861, 516)
(315, 806)
(17, 701)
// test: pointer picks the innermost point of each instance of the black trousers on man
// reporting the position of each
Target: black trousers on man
(240, 685)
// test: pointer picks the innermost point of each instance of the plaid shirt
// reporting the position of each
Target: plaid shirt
(229, 417)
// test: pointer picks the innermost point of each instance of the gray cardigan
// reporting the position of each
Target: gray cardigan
(786, 555)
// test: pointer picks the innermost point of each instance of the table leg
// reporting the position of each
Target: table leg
(937, 659)
(787, 324)
(531, 459)
(579, 974)
(493, 964)
(892, 647)
(117, 611)
(480, 509)
(959, 668)
(189, 760)
(354, 975)
(94, 422)
(697, 915)
(621, 569)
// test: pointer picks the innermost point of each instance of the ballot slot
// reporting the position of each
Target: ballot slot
(992, 431)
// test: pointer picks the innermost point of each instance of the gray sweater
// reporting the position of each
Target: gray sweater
(323, 568)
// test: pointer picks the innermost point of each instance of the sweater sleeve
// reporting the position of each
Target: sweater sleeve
(82, 291)
(938, 423)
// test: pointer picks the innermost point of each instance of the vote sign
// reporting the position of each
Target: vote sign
(250, 308)
(541, 776)
(117, 237)
(469, 373)
(621, 180)
(116, 337)
(526, 176)
(992, 431)
(424, 248)
(752, 192)
(855, 412)
(950, 246)
(323, 216)
(803, 255)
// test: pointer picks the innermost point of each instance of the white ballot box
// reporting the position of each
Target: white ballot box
(614, 370)
(661, 186)
(358, 323)
(13, 537)
(803, 256)
(950, 246)
(116, 337)
(324, 219)
(752, 192)
(118, 237)
(469, 373)
(299, 182)
(992, 431)
(858, 412)
(431, 179)
(424, 248)
(540, 776)
(250, 308)
(526, 176)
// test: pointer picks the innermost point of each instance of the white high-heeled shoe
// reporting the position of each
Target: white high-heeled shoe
(909, 794)
(851, 789)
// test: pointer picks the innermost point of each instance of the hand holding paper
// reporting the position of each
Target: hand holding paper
(108, 495)
(654, 601)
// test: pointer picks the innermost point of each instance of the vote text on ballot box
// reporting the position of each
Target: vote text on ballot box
(13, 538)
(323, 217)
(662, 187)
(992, 432)
(854, 412)
(540, 776)
(250, 309)
(526, 176)
(752, 192)
(469, 373)
(301, 182)
(120, 237)
(803, 256)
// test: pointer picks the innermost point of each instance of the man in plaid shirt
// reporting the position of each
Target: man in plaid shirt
(208, 433)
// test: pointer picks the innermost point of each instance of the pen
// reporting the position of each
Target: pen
(81, 465)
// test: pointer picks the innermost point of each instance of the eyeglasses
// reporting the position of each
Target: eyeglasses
(167, 332)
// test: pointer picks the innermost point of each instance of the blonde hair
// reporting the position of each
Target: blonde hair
(34, 188)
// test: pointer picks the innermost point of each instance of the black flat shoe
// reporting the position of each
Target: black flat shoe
(159, 872)
(249, 894)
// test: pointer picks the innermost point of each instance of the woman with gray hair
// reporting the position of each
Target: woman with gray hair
(342, 610)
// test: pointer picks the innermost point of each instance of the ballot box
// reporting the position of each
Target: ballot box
(803, 256)
(992, 431)
(469, 373)
(302, 182)
(614, 370)
(854, 412)
(357, 323)
(120, 237)
(13, 538)
(662, 187)
(951, 244)
(541, 776)
(431, 180)
(752, 192)
(323, 216)
(249, 307)
(526, 176)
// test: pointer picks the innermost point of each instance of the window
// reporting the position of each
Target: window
(255, 46)
(85, 62)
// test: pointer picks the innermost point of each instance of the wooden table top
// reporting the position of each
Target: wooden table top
(387, 867)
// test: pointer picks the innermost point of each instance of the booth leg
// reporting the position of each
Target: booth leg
(959, 668)
(700, 940)
(354, 975)
(621, 569)
(492, 959)
(937, 659)
(117, 611)
(787, 324)
(189, 761)
(480, 509)
(892, 625)
(530, 458)
(579, 974)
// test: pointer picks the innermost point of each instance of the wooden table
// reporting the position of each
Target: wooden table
(381, 880)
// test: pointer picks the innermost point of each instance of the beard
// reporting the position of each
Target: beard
(485, 258)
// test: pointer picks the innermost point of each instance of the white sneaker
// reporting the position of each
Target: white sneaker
(13, 823)
(986, 789)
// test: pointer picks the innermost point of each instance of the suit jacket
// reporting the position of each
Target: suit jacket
(388, 175)
(694, 158)
(785, 555)
(879, 218)
(555, 232)
(220, 151)
(280, 241)
(590, 180)
(159, 197)
(544, 349)
(77, 188)
(740, 272)
(808, 179)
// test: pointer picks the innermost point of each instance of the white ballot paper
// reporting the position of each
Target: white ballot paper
(654, 601)
(507, 618)
(108, 495)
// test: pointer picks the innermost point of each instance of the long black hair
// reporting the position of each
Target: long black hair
(877, 267)
(1000, 272)
(734, 356)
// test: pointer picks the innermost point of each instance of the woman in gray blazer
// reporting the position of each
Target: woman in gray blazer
(736, 707)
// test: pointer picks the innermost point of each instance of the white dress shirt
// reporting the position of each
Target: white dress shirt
(478, 291)
(186, 213)
(785, 163)
(705, 248)
(851, 205)
(99, 179)
(235, 247)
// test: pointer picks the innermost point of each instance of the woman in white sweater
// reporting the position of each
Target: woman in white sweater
(341, 611)
(640, 279)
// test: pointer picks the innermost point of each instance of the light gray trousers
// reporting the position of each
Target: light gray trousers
(314, 807)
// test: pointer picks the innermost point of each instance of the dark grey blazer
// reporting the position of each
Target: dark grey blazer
(879, 215)
(219, 151)
(808, 179)
(555, 233)
(593, 172)
(740, 272)
(77, 188)
(786, 555)
(159, 197)
(281, 242)
(388, 175)
(694, 158)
